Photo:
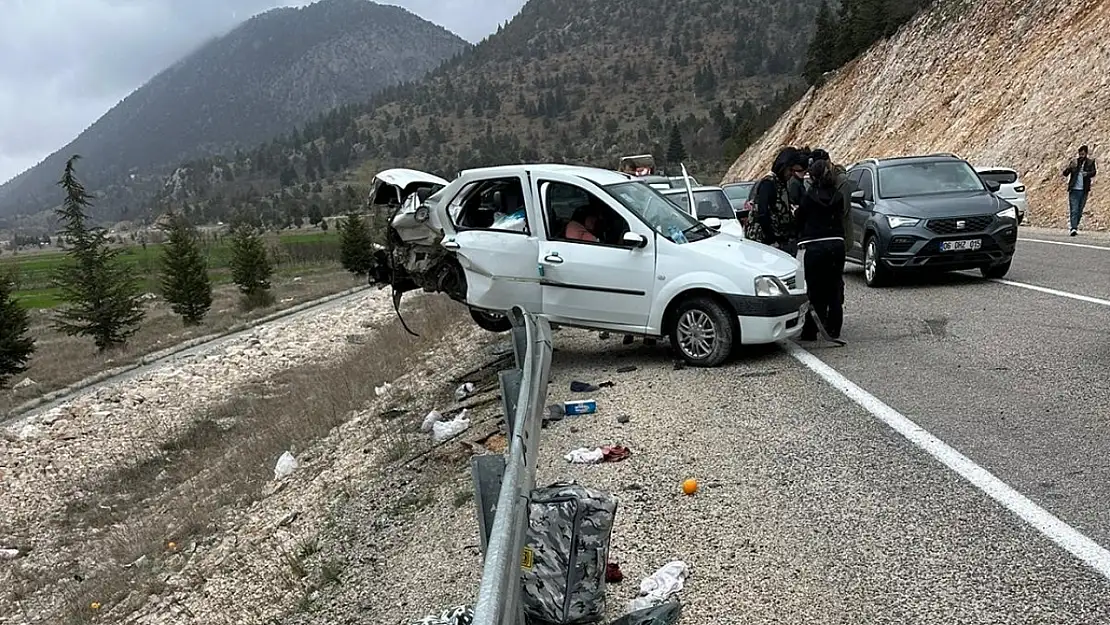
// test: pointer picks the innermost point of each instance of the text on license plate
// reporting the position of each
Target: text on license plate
(960, 246)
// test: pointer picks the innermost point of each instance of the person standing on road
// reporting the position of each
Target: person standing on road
(845, 189)
(1079, 172)
(773, 223)
(821, 234)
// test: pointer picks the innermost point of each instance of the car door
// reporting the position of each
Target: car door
(498, 260)
(600, 284)
(862, 209)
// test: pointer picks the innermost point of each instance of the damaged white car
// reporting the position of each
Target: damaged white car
(591, 248)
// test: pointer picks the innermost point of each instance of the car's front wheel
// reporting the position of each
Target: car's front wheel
(491, 321)
(995, 272)
(875, 274)
(703, 332)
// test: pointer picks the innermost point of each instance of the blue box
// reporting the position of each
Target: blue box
(580, 406)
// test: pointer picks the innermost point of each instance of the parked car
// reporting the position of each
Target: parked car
(928, 213)
(713, 208)
(655, 271)
(738, 194)
(393, 186)
(1011, 188)
(638, 165)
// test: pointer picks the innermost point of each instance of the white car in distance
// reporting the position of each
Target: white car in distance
(495, 238)
(1011, 188)
(713, 208)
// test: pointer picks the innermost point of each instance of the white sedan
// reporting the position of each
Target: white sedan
(1011, 188)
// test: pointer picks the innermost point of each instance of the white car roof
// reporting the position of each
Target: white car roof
(402, 177)
(593, 174)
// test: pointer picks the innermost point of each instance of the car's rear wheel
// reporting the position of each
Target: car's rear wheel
(995, 272)
(703, 332)
(875, 274)
(491, 321)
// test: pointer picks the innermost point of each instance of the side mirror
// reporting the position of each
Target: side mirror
(633, 239)
(857, 196)
(993, 185)
(713, 223)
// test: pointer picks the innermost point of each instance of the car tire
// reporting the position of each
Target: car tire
(875, 274)
(703, 332)
(491, 321)
(995, 272)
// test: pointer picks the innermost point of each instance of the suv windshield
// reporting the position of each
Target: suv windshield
(710, 203)
(658, 213)
(927, 178)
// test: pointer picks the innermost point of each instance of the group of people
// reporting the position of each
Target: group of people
(804, 204)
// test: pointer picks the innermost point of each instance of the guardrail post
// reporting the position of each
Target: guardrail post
(487, 471)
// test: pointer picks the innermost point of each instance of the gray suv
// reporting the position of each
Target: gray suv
(928, 213)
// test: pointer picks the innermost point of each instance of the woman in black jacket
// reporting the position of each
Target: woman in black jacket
(820, 220)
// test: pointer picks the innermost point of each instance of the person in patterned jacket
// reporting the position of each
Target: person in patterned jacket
(773, 223)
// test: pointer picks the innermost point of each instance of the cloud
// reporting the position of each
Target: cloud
(66, 62)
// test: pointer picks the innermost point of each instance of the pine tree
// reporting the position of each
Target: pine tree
(250, 267)
(185, 282)
(101, 294)
(356, 251)
(822, 55)
(16, 346)
(676, 151)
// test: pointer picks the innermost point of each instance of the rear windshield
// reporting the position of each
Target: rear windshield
(709, 204)
(739, 191)
(999, 176)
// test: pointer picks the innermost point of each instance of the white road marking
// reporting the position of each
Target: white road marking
(1059, 532)
(1056, 292)
(1104, 248)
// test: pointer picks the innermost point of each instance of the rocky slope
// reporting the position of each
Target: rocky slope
(279, 69)
(1014, 84)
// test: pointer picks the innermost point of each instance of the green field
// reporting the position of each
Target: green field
(290, 253)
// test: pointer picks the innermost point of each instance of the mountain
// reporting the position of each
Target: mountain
(276, 70)
(998, 82)
(564, 80)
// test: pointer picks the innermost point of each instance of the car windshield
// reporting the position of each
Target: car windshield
(658, 213)
(928, 178)
(710, 203)
(739, 191)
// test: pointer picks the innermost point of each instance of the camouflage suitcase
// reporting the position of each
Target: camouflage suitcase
(566, 550)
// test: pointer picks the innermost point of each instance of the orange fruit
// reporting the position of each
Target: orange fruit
(690, 486)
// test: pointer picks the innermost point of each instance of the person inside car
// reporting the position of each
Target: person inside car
(583, 225)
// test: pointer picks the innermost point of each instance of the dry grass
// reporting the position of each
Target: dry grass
(225, 459)
(61, 360)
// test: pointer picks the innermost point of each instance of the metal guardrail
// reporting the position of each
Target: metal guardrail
(502, 487)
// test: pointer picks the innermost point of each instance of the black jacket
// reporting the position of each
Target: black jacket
(1086, 165)
(821, 215)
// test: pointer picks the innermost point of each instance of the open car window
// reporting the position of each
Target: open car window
(496, 204)
(708, 204)
(566, 204)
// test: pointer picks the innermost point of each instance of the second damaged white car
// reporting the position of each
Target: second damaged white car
(595, 249)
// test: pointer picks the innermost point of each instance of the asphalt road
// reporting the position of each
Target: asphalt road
(815, 510)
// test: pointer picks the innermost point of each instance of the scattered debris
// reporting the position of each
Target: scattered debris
(690, 486)
(613, 574)
(382, 390)
(465, 390)
(9, 554)
(430, 420)
(580, 407)
(660, 586)
(555, 412)
(607, 453)
(627, 369)
(615, 453)
(285, 466)
(623, 418)
(583, 387)
(24, 383)
(459, 615)
(662, 614)
(393, 413)
(443, 430)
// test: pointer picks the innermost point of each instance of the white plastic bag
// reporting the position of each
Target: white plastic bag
(285, 466)
(430, 420)
(443, 430)
(464, 391)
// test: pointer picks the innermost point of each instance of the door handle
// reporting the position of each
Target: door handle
(554, 259)
(451, 245)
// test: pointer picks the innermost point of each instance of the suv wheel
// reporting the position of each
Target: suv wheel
(874, 273)
(491, 321)
(703, 332)
(994, 272)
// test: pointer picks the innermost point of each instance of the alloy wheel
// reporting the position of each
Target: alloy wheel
(696, 334)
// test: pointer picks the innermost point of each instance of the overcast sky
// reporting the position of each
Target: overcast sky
(64, 63)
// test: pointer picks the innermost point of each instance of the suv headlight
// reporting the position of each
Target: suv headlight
(1010, 212)
(895, 221)
(770, 286)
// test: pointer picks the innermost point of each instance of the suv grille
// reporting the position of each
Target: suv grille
(971, 224)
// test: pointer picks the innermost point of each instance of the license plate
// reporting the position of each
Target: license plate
(961, 246)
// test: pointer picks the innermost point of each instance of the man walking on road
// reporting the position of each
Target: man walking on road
(1079, 172)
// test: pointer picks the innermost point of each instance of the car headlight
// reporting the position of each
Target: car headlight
(895, 221)
(769, 286)
(1019, 189)
(1010, 212)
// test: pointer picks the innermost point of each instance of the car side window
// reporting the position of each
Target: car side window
(497, 204)
(867, 185)
(571, 212)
